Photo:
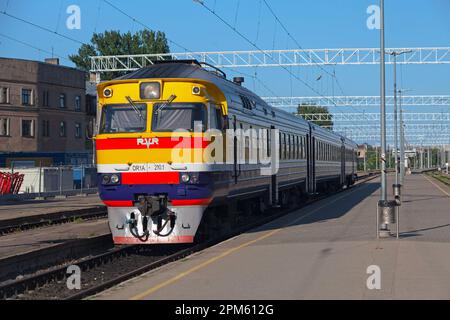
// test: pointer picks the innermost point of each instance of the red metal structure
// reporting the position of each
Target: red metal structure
(10, 183)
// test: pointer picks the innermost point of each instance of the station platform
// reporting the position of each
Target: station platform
(322, 251)
(28, 208)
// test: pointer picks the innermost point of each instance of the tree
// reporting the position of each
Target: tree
(305, 108)
(116, 43)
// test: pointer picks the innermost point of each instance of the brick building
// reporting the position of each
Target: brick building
(44, 114)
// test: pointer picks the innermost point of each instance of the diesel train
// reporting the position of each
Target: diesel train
(181, 151)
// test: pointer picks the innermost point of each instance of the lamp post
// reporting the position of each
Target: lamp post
(397, 162)
(402, 143)
(383, 104)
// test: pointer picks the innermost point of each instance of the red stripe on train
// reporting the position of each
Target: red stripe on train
(170, 239)
(118, 203)
(150, 143)
(151, 178)
(175, 203)
(191, 202)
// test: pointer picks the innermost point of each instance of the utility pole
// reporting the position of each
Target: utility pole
(376, 158)
(397, 162)
(421, 158)
(383, 104)
(402, 143)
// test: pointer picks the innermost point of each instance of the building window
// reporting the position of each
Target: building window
(4, 95)
(77, 130)
(45, 99)
(62, 100)
(78, 103)
(45, 128)
(27, 97)
(62, 129)
(28, 128)
(4, 127)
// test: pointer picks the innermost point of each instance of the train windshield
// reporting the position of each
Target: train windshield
(124, 118)
(176, 116)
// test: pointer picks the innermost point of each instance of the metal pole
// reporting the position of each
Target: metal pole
(60, 181)
(428, 156)
(395, 119)
(397, 211)
(421, 159)
(40, 178)
(365, 166)
(82, 179)
(376, 157)
(383, 104)
(402, 143)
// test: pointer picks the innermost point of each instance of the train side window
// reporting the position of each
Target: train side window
(319, 151)
(280, 146)
(303, 147)
(286, 147)
(289, 146)
(268, 137)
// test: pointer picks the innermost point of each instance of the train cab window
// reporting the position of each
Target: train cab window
(215, 118)
(169, 118)
(123, 118)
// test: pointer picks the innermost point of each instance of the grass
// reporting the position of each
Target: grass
(442, 177)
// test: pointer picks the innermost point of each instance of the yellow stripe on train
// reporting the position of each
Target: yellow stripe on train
(155, 156)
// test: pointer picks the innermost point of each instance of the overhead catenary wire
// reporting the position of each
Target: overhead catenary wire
(142, 24)
(42, 27)
(264, 53)
(184, 47)
(34, 47)
(298, 44)
(261, 50)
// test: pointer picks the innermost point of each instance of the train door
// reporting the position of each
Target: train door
(311, 162)
(236, 164)
(308, 164)
(342, 164)
(313, 157)
(274, 181)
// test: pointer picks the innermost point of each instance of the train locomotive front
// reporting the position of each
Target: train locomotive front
(153, 174)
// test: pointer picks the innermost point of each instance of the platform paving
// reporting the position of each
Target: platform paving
(322, 251)
(26, 208)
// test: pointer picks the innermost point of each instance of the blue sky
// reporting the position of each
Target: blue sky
(314, 24)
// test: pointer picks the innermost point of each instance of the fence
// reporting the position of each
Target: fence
(43, 182)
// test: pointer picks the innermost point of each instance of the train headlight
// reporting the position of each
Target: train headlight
(185, 178)
(196, 90)
(107, 93)
(150, 90)
(115, 179)
(106, 179)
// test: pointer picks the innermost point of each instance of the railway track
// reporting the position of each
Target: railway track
(111, 268)
(49, 219)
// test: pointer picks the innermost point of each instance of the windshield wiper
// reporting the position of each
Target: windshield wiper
(133, 105)
(165, 104)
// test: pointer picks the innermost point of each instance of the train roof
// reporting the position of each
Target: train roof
(195, 70)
